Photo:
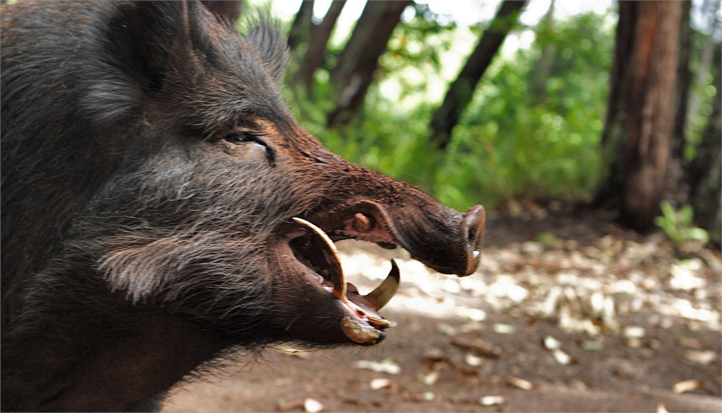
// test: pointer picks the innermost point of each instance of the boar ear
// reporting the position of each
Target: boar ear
(133, 57)
(272, 47)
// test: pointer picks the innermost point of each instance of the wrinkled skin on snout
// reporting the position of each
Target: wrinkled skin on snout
(161, 207)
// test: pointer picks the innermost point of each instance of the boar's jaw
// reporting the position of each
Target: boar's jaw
(360, 322)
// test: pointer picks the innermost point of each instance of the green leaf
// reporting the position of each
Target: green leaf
(698, 234)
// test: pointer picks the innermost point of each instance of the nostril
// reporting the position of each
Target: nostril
(474, 220)
(473, 243)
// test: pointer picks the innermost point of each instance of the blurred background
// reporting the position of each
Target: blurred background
(516, 103)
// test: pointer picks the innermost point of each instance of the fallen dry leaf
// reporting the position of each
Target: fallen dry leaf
(484, 347)
(431, 378)
(521, 383)
(378, 384)
(561, 357)
(500, 328)
(473, 314)
(312, 406)
(685, 275)
(551, 343)
(473, 361)
(634, 332)
(491, 400)
(387, 366)
(701, 357)
(687, 386)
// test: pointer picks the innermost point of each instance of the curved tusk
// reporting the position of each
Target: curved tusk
(384, 292)
(336, 278)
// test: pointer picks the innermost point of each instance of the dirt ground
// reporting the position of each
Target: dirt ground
(568, 312)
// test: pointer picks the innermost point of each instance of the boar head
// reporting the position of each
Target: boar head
(229, 199)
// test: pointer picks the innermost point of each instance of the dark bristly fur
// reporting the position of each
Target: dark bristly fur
(150, 172)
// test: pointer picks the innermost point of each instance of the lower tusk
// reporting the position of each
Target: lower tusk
(380, 323)
(384, 292)
(359, 332)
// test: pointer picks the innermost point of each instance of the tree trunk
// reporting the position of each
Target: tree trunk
(543, 67)
(302, 25)
(462, 89)
(228, 11)
(704, 170)
(684, 79)
(641, 112)
(354, 72)
(317, 46)
(676, 188)
(613, 135)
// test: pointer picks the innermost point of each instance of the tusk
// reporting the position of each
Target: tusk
(384, 292)
(336, 278)
(362, 223)
(359, 332)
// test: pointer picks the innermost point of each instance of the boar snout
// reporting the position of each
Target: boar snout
(442, 238)
(445, 240)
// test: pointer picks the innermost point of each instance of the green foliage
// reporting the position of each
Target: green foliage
(706, 92)
(420, 42)
(513, 144)
(678, 225)
(509, 143)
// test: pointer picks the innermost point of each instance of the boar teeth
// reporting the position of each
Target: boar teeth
(362, 223)
(359, 332)
(334, 275)
(380, 323)
(384, 292)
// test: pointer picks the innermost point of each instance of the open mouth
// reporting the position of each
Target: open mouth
(361, 322)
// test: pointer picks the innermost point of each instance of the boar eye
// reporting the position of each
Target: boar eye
(242, 137)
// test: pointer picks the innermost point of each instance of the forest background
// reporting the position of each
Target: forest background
(516, 103)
